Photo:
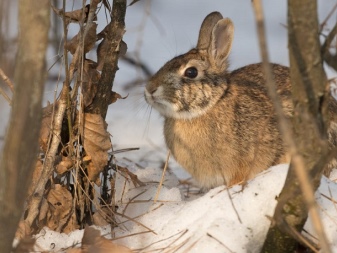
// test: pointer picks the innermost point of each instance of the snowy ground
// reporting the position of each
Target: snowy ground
(212, 222)
(221, 220)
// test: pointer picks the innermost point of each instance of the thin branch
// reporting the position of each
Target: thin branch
(162, 177)
(328, 17)
(6, 80)
(330, 59)
(287, 133)
(3, 93)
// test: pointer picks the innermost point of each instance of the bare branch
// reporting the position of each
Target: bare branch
(6, 80)
(3, 93)
(330, 59)
(287, 133)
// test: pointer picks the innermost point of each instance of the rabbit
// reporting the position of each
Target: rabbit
(219, 125)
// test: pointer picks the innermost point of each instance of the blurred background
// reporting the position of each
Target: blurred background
(156, 31)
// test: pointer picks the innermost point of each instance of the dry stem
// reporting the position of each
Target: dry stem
(162, 177)
(6, 80)
(287, 133)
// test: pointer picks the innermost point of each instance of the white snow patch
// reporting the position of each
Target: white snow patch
(221, 220)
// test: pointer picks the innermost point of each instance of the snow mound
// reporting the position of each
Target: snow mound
(221, 220)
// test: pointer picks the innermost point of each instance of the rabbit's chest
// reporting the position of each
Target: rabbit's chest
(190, 138)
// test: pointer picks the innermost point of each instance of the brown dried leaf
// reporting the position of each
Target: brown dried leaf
(114, 96)
(96, 142)
(47, 115)
(134, 179)
(89, 40)
(93, 173)
(93, 242)
(65, 165)
(75, 250)
(60, 203)
(23, 230)
(103, 49)
(90, 81)
(74, 16)
(25, 245)
(43, 212)
(102, 217)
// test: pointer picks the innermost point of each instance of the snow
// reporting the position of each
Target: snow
(221, 220)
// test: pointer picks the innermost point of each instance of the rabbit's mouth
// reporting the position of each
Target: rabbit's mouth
(164, 107)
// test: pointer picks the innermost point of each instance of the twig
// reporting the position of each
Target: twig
(232, 203)
(165, 239)
(328, 17)
(135, 221)
(330, 59)
(138, 64)
(3, 93)
(162, 177)
(6, 80)
(287, 133)
(208, 234)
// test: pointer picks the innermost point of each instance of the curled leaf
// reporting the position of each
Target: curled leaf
(47, 116)
(23, 230)
(75, 15)
(65, 165)
(60, 210)
(104, 47)
(96, 142)
(90, 79)
(89, 40)
(93, 242)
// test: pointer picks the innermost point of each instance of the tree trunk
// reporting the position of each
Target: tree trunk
(308, 83)
(21, 143)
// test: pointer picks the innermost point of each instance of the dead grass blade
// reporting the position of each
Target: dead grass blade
(162, 177)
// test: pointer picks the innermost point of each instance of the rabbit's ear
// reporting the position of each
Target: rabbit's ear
(221, 43)
(206, 29)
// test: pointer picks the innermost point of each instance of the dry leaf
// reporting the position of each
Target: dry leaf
(47, 115)
(43, 212)
(90, 81)
(96, 143)
(89, 40)
(93, 242)
(104, 47)
(93, 173)
(25, 245)
(23, 230)
(60, 210)
(114, 96)
(75, 250)
(74, 16)
(134, 179)
(102, 217)
(65, 165)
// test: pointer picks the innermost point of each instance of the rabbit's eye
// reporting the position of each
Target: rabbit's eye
(191, 72)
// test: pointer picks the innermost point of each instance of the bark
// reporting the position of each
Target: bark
(308, 83)
(21, 143)
(115, 34)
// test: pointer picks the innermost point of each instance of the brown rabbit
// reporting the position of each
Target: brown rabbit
(219, 125)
